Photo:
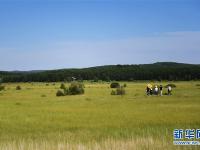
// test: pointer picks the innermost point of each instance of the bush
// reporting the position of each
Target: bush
(43, 95)
(66, 91)
(119, 91)
(114, 85)
(171, 84)
(62, 86)
(60, 93)
(124, 85)
(197, 84)
(2, 87)
(75, 88)
(113, 92)
(18, 87)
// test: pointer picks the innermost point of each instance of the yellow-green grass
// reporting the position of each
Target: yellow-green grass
(34, 118)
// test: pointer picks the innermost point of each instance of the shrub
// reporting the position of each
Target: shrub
(43, 95)
(75, 88)
(47, 84)
(88, 99)
(60, 93)
(17, 103)
(114, 85)
(113, 92)
(120, 91)
(171, 84)
(62, 86)
(197, 84)
(18, 87)
(124, 85)
(66, 91)
(2, 87)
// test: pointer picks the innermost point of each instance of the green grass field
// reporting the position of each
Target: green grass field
(34, 118)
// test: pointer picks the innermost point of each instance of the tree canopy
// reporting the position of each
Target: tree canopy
(156, 71)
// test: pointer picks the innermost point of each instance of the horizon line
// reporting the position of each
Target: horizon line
(96, 66)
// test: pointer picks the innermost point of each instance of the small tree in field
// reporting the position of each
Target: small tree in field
(62, 86)
(75, 88)
(18, 87)
(113, 92)
(125, 85)
(114, 85)
(119, 91)
(60, 93)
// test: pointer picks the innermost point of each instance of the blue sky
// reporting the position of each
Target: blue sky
(50, 34)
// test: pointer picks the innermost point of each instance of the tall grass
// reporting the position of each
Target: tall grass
(95, 120)
(109, 144)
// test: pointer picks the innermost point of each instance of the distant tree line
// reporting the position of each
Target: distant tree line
(156, 71)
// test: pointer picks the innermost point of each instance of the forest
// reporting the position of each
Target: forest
(170, 71)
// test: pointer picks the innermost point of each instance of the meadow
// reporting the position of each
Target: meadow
(34, 118)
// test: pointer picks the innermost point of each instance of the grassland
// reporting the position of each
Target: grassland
(34, 118)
